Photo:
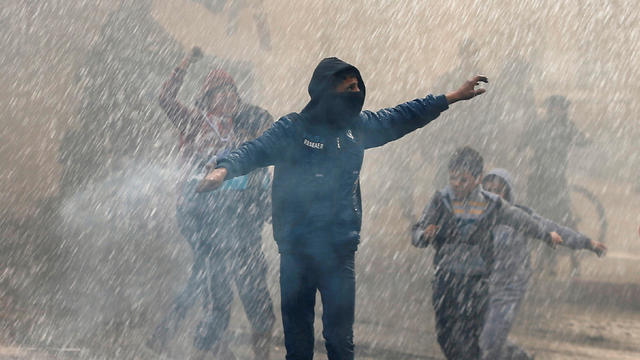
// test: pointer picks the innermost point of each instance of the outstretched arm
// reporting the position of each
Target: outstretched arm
(381, 127)
(526, 224)
(572, 239)
(181, 116)
(260, 152)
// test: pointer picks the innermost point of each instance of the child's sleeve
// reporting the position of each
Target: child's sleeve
(570, 238)
(183, 118)
(430, 216)
(522, 222)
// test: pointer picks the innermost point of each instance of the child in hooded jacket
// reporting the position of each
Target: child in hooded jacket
(511, 271)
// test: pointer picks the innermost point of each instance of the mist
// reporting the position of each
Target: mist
(92, 255)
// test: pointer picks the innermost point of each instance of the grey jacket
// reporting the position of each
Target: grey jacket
(470, 251)
(512, 263)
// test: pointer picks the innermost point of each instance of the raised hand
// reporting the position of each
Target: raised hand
(468, 89)
(193, 57)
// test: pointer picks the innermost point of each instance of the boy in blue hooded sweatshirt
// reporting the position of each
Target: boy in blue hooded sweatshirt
(512, 270)
(458, 222)
(317, 209)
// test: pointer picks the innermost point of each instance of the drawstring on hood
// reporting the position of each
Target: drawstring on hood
(328, 105)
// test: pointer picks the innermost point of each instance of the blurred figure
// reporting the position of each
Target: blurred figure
(235, 7)
(511, 271)
(224, 227)
(548, 143)
(514, 108)
(453, 130)
(115, 125)
(464, 127)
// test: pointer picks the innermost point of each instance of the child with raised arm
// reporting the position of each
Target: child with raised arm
(223, 227)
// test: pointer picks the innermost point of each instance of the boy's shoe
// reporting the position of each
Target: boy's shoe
(515, 352)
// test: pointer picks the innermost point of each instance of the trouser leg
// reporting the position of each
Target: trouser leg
(446, 314)
(217, 304)
(251, 281)
(502, 310)
(337, 289)
(460, 305)
(512, 351)
(298, 297)
(170, 323)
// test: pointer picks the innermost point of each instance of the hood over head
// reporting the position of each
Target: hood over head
(506, 177)
(217, 78)
(328, 105)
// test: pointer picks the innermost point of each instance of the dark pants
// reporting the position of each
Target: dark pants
(300, 277)
(223, 256)
(460, 304)
(248, 271)
(211, 279)
(503, 305)
(187, 298)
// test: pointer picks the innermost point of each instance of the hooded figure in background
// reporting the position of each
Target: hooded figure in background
(317, 210)
(511, 271)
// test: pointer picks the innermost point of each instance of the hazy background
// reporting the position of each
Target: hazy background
(89, 246)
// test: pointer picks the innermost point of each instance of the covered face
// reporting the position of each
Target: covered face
(337, 93)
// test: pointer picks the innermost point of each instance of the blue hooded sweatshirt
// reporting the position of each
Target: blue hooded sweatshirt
(318, 154)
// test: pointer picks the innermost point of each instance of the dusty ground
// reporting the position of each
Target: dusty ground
(576, 332)
(593, 316)
(562, 318)
(597, 317)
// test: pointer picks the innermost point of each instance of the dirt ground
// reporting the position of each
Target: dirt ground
(595, 315)
(565, 331)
